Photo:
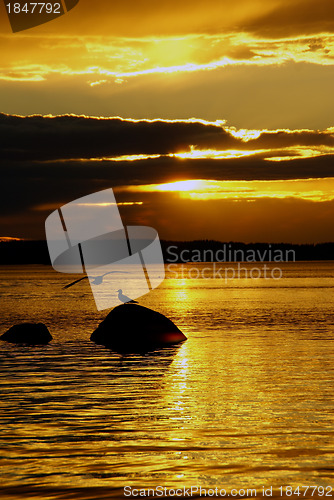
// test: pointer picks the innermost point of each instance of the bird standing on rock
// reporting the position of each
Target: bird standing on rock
(123, 298)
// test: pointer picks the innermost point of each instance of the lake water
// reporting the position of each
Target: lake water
(246, 402)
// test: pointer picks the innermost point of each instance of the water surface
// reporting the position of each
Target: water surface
(246, 401)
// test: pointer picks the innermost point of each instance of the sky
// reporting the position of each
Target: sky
(210, 120)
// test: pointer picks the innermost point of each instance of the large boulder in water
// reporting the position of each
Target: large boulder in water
(28, 333)
(131, 327)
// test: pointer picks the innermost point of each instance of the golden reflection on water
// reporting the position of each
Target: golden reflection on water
(255, 398)
(246, 401)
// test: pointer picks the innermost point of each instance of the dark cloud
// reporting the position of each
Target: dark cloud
(40, 168)
(27, 185)
(45, 138)
(63, 137)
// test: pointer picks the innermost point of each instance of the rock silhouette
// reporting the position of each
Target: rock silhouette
(28, 333)
(131, 327)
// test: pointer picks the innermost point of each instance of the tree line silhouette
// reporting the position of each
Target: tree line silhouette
(36, 252)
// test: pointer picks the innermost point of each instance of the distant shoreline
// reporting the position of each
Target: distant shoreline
(36, 252)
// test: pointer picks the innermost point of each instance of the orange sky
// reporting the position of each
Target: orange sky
(260, 72)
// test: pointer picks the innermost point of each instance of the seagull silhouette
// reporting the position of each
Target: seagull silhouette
(96, 280)
(124, 298)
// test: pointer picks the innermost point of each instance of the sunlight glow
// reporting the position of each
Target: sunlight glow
(180, 68)
(98, 82)
(5, 239)
(191, 185)
(119, 59)
(124, 158)
(130, 157)
(316, 190)
(97, 205)
(278, 155)
(214, 154)
(125, 203)
(300, 153)
(244, 134)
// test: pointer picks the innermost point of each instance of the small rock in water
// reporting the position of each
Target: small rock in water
(28, 333)
(131, 327)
